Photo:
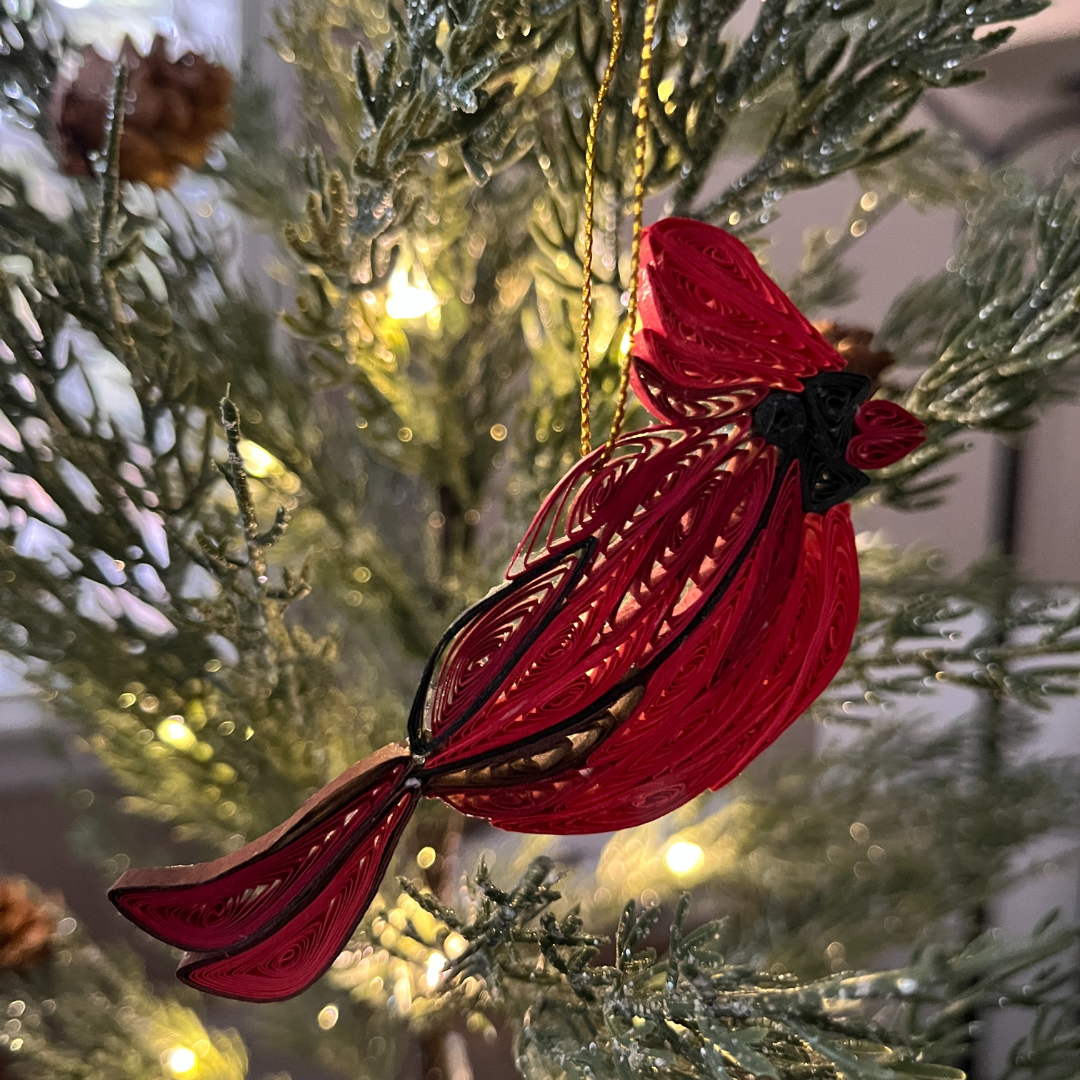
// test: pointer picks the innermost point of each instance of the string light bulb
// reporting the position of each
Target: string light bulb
(181, 1062)
(257, 461)
(684, 857)
(176, 733)
(435, 964)
(408, 300)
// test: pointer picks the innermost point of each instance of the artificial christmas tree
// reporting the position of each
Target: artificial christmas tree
(225, 659)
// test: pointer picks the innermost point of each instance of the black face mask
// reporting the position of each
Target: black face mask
(814, 427)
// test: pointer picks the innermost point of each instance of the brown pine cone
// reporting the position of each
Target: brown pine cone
(853, 344)
(26, 926)
(172, 111)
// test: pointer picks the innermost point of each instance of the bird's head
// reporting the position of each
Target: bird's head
(718, 334)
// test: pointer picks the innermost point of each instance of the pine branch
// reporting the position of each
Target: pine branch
(694, 1013)
(435, 91)
(995, 333)
(838, 79)
(33, 47)
(118, 481)
(849, 105)
(110, 172)
(984, 630)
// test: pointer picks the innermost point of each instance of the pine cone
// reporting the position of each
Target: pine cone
(172, 111)
(26, 926)
(853, 344)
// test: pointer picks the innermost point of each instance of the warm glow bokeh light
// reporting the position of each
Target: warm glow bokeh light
(176, 733)
(181, 1061)
(405, 300)
(257, 461)
(436, 962)
(683, 857)
(454, 945)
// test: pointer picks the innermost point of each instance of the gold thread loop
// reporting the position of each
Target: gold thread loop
(590, 199)
(641, 111)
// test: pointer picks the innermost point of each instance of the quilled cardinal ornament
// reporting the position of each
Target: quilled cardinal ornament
(682, 595)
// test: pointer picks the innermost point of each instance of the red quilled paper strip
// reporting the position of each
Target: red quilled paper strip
(673, 607)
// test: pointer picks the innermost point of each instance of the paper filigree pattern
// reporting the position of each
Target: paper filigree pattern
(674, 606)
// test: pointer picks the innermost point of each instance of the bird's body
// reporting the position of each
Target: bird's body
(675, 605)
(678, 613)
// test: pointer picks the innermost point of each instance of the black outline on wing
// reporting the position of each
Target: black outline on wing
(641, 676)
(419, 743)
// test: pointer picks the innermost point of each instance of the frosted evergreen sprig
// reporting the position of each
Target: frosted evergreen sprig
(33, 46)
(854, 73)
(985, 629)
(694, 1013)
(830, 81)
(996, 334)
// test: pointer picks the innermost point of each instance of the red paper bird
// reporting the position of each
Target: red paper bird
(674, 606)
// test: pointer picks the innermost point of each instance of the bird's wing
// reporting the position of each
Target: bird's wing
(647, 579)
(230, 906)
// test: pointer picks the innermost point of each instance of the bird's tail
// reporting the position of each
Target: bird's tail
(263, 923)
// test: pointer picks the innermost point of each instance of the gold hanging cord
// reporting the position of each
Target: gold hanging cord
(641, 112)
(590, 199)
